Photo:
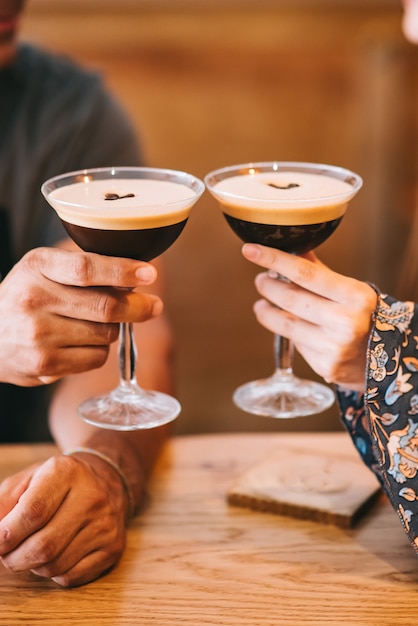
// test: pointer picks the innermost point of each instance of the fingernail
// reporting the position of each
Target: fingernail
(146, 273)
(47, 380)
(251, 251)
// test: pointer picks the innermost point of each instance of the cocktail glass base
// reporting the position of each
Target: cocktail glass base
(283, 398)
(130, 408)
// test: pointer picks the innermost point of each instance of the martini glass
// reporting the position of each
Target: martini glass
(292, 207)
(130, 212)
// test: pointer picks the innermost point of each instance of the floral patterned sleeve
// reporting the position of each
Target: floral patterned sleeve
(383, 422)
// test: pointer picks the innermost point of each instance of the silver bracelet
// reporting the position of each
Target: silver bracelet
(109, 461)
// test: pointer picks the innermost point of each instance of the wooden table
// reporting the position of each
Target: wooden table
(193, 559)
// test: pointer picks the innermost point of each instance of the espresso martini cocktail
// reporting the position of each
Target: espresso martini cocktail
(293, 207)
(129, 212)
(290, 210)
(135, 218)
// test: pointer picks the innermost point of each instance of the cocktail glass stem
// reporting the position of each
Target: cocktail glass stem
(127, 355)
(283, 357)
(128, 406)
(283, 395)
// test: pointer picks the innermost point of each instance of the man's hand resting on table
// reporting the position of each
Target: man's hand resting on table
(63, 519)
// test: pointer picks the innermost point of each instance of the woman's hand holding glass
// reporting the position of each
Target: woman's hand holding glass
(326, 315)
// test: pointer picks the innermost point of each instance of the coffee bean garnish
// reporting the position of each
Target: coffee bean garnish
(116, 196)
(289, 186)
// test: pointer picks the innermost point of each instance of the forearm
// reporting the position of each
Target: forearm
(383, 423)
(130, 455)
(133, 452)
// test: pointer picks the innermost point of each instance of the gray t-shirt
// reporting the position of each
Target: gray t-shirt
(54, 117)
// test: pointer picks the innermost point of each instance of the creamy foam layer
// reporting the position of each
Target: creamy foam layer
(284, 197)
(137, 204)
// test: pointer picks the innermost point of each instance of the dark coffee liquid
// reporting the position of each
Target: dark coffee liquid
(144, 245)
(294, 239)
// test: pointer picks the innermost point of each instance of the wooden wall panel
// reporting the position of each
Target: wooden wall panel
(211, 84)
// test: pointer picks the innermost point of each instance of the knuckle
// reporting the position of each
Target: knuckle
(92, 358)
(352, 331)
(41, 362)
(288, 326)
(34, 333)
(98, 357)
(288, 299)
(347, 332)
(33, 514)
(107, 307)
(67, 464)
(333, 362)
(39, 359)
(79, 468)
(305, 271)
(81, 268)
(366, 297)
(30, 299)
(30, 259)
(44, 551)
(111, 333)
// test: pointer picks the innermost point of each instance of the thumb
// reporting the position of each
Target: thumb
(86, 269)
(13, 487)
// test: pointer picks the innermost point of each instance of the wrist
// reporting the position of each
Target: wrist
(114, 467)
